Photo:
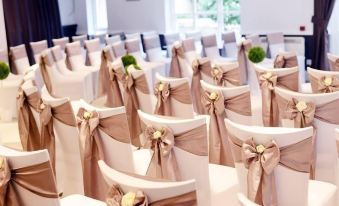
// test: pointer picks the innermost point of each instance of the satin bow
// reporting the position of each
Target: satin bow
(162, 92)
(260, 160)
(20, 98)
(116, 197)
(161, 142)
(268, 80)
(279, 61)
(213, 102)
(218, 76)
(328, 84)
(302, 116)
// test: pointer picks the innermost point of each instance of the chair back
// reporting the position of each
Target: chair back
(18, 160)
(68, 161)
(153, 48)
(60, 60)
(119, 49)
(75, 59)
(117, 155)
(61, 42)
(3, 56)
(229, 92)
(334, 61)
(37, 48)
(230, 44)
(19, 59)
(326, 152)
(80, 38)
(316, 75)
(255, 38)
(113, 39)
(210, 46)
(286, 195)
(196, 35)
(276, 43)
(170, 39)
(190, 166)
(133, 48)
(93, 51)
(154, 190)
(179, 109)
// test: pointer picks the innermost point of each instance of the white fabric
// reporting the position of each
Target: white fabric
(231, 49)
(275, 49)
(22, 65)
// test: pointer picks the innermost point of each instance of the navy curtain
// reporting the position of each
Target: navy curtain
(322, 14)
(31, 20)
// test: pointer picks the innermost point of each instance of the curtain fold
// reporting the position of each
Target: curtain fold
(322, 14)
(31, 20)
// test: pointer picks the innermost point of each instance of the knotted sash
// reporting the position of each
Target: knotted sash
(221, 78)
(37, 179)
(303, 114)
(89, 124)
(164, 92)
(28, 129)
(243, 48)
(177, 52)
(334, 63)
(116, 197)
(324, 84)
(163, 164)
(108, 78)
(215, 105)
(286, 60)
(46, 60)
(62, 113)
(261, 160)
(131, 85)
(268, 81)
(199, 66)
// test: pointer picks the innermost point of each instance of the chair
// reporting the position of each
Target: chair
(67, 155)
(268, 79)
(276, 43)
(155, 191)
(119, 49)
(93, 52)
(321, 114)
(323, 81)
(30, 191)
(108, 140)
(238, 116)
(76, 62)
(196, 35)
(211, 50)
(61, 42)
(230, 44)
(154, 52)
(18, 55)
(113, 39)
(135, 36)
(333, 60)
(59, 85)
(178, 103)
(101, 38)
(255, 39)
(190, 50)
(288, 141)
(216, 185)
(170, 38)
(80, 38)
(38, 48)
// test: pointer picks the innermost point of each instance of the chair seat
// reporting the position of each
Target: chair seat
(306, 88)
(73, 200)
(319, 194)
(223, 185)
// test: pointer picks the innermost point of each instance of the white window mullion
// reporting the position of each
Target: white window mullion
(195, 14)
(220, 16)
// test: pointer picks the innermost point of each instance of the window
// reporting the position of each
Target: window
(207, 15)
(96, 16)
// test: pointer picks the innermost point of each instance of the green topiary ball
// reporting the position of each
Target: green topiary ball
(4, 70)
(256, 54)
(129, 60)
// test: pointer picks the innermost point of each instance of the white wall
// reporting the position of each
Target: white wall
(137, 16)
(74, 12)
(67, 12)
(264, 16)
(3, 39)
